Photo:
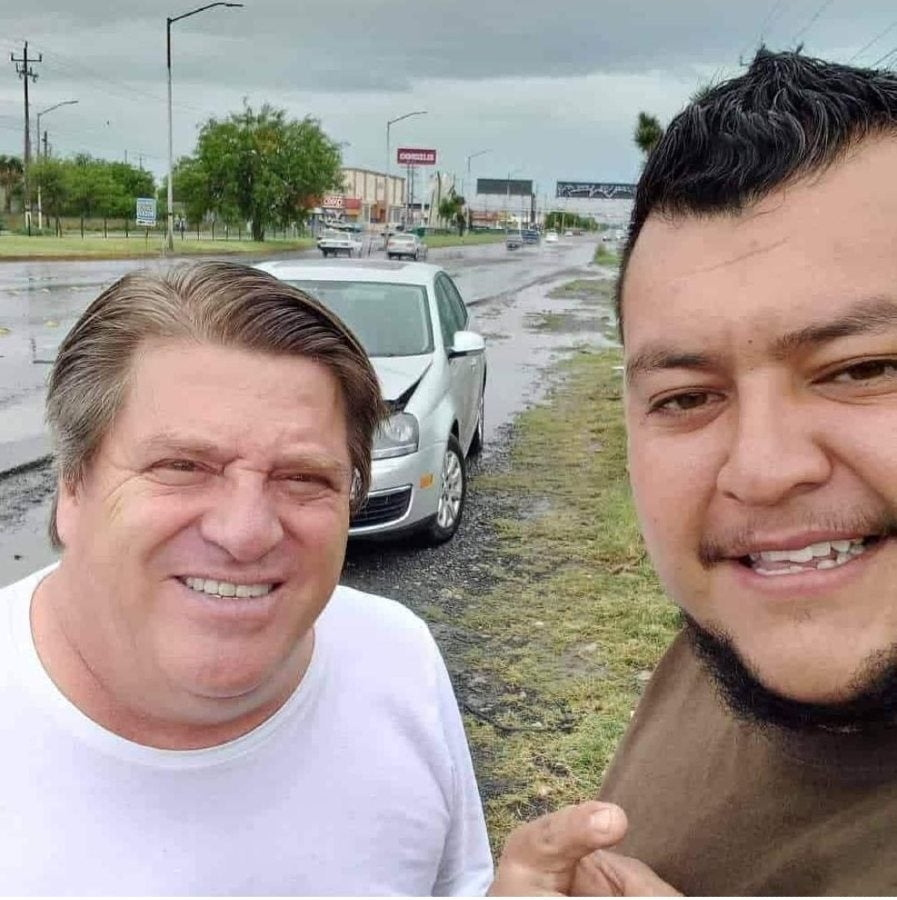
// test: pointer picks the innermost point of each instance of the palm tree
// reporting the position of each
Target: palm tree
(451, 210)
(648, 132)
(11, 178)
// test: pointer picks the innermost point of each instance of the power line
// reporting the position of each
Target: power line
(874, 40)
(819, 11)
(769, 17)
(881, 59)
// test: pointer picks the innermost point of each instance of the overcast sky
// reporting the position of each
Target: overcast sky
(550, 88)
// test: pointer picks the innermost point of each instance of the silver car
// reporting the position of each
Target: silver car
(413, 322)
(404, 244)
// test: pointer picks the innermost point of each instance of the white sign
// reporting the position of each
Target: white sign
(146, 211)
(333, 201)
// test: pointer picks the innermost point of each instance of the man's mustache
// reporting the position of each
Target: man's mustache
(732, 543)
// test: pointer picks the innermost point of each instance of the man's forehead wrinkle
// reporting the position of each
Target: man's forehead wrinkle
(740, 257)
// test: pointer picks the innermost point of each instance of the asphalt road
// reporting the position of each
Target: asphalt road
(506, 290)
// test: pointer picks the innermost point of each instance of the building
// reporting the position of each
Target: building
(362, 200)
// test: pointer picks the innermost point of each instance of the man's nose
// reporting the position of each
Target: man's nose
(242, 518)
(774, 451)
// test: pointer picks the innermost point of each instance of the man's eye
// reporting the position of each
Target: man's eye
(867, 371)
(178, 471)
(681, 403)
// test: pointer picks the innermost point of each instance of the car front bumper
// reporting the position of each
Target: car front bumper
(398, 500)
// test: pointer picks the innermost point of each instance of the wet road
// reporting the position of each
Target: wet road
(506, 290)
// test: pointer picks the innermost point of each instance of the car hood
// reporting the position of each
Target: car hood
(399, 375)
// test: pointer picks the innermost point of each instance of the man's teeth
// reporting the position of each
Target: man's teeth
(227, 588)
(826, 554)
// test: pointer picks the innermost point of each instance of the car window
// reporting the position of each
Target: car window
(448, 320)
(388, 319)
(460, 310)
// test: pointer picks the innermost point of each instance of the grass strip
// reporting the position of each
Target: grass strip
(576, 619)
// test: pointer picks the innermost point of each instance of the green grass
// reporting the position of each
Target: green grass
(577, 617)
(453, 240)
(605, 257)
(13, 246)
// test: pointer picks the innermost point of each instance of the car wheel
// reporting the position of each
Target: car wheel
(479, 433)
(326, 253)
(452, 495)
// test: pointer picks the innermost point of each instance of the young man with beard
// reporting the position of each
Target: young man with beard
(758, 312)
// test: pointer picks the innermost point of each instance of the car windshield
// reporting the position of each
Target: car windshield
(388, 319)
(407, 238)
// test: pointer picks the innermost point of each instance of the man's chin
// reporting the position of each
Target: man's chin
(867, 703)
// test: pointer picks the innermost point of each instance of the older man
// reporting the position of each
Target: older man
(190, 703)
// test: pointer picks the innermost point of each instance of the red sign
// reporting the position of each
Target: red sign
(352, 203)
(415, 156)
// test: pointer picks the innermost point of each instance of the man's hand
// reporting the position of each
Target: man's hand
(555, 856)
(608, 874)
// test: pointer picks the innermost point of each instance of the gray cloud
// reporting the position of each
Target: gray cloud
(550, 86)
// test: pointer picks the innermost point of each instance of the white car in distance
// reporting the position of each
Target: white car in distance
(415, 327)
(402, 245)
(333, 242)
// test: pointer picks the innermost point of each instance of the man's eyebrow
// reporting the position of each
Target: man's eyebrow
(869, 316)
(873, 315)
(655, 358)
(196, 446)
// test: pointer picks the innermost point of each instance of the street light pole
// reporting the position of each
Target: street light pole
(464, 186)
(43, 112)
(169, 21)
(389, 124)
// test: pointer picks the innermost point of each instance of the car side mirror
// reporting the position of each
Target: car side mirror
(466, 343)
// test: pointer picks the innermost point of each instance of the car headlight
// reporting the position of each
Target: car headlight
(397, 436)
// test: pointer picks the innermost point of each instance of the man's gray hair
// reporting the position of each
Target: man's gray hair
(219, 303)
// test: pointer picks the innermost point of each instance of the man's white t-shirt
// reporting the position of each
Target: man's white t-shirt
(360, 784)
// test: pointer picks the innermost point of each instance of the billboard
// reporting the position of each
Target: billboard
(595, 190)
(516, 187)
(415, 156)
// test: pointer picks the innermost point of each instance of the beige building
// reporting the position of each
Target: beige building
(363, 197)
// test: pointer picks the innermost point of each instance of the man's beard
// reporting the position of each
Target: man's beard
(873, 692)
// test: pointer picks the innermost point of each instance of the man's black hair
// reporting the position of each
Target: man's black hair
(788, 115)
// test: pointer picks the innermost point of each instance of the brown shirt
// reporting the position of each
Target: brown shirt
(717, 806)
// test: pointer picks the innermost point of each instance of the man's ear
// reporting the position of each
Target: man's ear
(65, 510)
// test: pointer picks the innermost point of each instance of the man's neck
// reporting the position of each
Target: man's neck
(208, 722)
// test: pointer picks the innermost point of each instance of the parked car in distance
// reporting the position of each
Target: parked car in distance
(402, 244)
(513, 240)
(531, 235)
(414, 325)
(568, 233)
(551, 237)
(336, 243)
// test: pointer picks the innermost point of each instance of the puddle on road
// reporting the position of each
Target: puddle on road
(528, 330)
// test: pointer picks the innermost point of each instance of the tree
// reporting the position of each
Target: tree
(648, 131)
(11, 178)
(50, 174)
(451, 210)
(261, 167)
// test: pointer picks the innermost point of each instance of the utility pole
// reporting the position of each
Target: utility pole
(24, 71)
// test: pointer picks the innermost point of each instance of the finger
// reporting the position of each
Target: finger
(608, 874)
(541, 856)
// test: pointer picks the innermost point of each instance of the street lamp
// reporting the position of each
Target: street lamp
(464, 186)
(389, 124)
(43, 112)
(169, 21)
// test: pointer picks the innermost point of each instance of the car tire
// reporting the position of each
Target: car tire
(452, 496)
(479, 433)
